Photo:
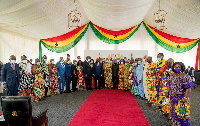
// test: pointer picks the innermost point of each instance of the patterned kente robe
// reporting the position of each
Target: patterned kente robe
(38, 85)
(27, 80)
(150, 74)
(108, 75)
(121, 76)
(46, 75)
(166, 107)
(126, 77)
(160, 68)
(54, 80)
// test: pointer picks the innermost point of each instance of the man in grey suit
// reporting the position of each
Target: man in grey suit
(10, 76)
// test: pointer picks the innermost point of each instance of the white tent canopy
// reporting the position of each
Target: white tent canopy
(24, 22)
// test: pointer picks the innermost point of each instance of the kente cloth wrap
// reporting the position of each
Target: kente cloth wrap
(108, 75)
(126, 77)
(26, 78)
(54, 80)
(121, 76)
(151, 78)
(80, 78)
(46, 75)
(38, 84)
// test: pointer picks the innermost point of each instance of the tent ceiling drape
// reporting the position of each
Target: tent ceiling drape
(48, 18)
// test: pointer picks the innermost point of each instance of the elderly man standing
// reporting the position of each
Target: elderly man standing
(61, 74)
(139, 74)
(144, 76)
(10, 76)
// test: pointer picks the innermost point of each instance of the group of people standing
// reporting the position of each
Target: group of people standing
(163, 82)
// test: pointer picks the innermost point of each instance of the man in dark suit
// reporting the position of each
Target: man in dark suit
(10, 76)
(87, 73)
(115, 78)
(68, 73)
(74, 75)
(98, 72)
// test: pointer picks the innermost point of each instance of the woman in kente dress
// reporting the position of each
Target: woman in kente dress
(135, 90)
(80, 76)
(179, 89)
(38, 82)
(53, 78)
(121, 74)
(108, 74)
(26, 78)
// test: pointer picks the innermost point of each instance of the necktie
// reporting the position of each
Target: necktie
(13, 66)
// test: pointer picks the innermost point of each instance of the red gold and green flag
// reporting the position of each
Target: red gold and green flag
(113, 37)
(63, 42)
(170, 42)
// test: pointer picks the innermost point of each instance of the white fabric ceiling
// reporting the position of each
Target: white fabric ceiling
(48, 18)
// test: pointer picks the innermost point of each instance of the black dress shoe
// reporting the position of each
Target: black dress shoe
(68, 91)
(61, 92)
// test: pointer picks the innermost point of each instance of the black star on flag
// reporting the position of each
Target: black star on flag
(115, 35)
(56, 44)
(178, 46)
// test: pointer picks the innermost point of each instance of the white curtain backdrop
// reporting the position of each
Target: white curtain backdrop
(11, 43)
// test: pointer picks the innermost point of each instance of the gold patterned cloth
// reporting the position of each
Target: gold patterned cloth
(108, 75)
(121, 76)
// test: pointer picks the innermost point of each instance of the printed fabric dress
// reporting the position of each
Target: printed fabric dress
(54, 80)
(80, 78)
(38, 85)
(27, 80)
(108, 75)
(135, 89)
(126, 77)
(180, 109)
(150, 73)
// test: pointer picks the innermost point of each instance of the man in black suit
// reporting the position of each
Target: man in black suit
(98, 72)
(10, 76)
(115, 69)
(87, 73)
(74, 75)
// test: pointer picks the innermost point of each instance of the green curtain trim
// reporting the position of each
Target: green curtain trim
(67, 47)
(111, 41)
(168, 47)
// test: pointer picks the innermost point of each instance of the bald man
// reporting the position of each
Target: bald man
(10, 76)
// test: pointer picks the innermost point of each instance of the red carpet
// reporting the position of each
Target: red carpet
(110, 108)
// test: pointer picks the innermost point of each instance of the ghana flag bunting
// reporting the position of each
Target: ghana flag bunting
(63, 42)
(113, 37)
(170, 42)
